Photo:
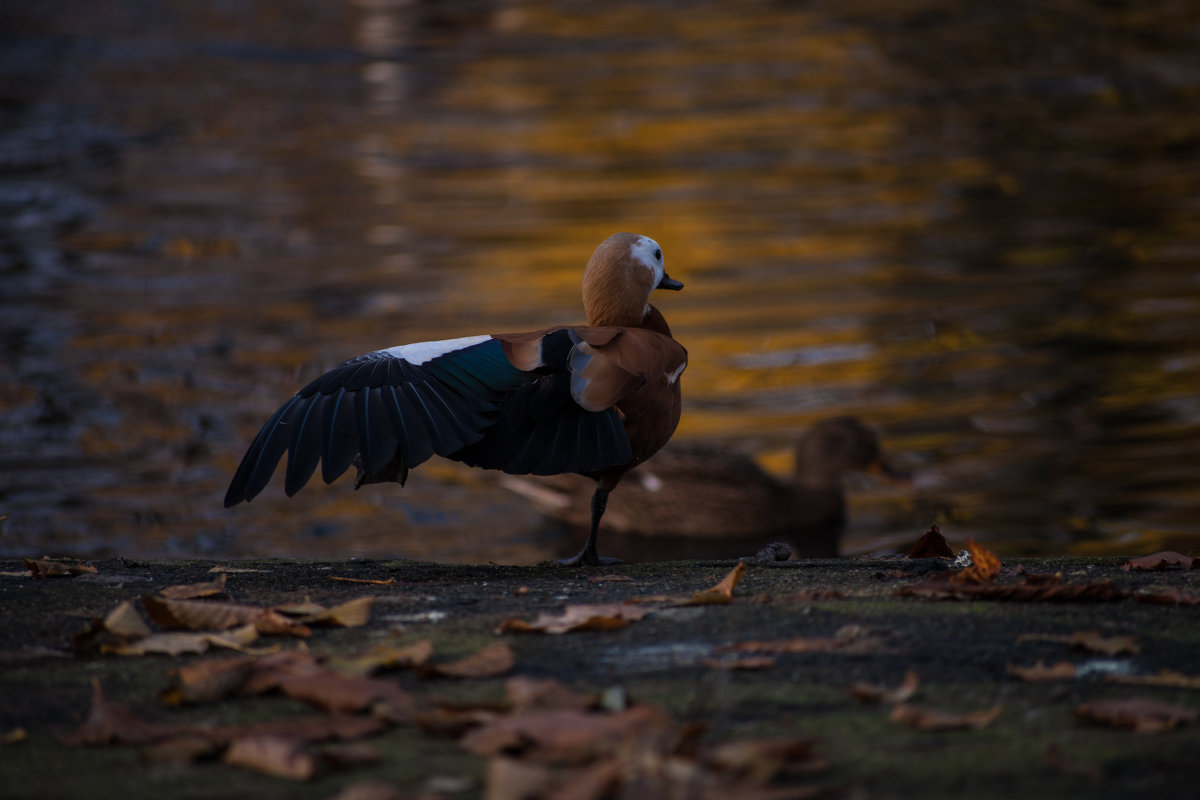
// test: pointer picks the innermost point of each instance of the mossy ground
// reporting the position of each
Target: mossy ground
(959, 649)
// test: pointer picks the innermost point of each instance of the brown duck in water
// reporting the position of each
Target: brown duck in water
(697, 500)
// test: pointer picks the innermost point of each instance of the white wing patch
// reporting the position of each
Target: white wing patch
(421, 352)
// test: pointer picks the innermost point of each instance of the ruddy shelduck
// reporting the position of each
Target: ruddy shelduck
(595, 399)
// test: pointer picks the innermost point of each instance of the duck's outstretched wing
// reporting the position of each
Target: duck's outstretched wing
(397, 406)
(476, 400)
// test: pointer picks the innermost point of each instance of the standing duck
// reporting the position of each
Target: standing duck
(595, 399)
(696, 499)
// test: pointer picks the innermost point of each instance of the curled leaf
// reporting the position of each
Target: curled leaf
(924, 718)
(577, 618)
(869, 693)
(1167, 559)
(985, 566)
(1139, 714)
(931, 545)
(1040, 673)
(191, 591)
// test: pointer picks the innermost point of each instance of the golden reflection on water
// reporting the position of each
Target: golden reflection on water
(975, 230)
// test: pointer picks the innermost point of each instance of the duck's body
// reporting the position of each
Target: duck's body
(704, 499)
(594, 399)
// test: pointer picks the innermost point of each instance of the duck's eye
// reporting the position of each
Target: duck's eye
(657, 254)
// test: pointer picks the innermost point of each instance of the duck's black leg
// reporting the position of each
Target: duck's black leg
(588, 554)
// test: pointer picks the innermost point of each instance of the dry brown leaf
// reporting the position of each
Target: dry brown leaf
(1140, 714)
(1167, 597)
(565, 735)
(110, 723)
(350, 614)
(723, 591)
(871, 693)
(343, 694)
(527, 694)
(763, 759)
(385, 656)
(1164, 678)
(577, 618)
(187, 748)
(931, 545)
(45, 568)
(1091, 641)
(304, 608)
(924, 718)
(207, 681)
(854, 638)
(802, 596)
(121, 625)
(1167, 559)
(202, 615)
(985, 566)
(494, 660)
(348, 755)
(372, 581)
(1037, 588)
(608, 578)
(1040, 673)
(278, 756)
(191, 591)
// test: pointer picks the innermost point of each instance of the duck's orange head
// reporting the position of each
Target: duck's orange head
(619, 278)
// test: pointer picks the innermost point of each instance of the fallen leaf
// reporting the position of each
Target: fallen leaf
(203, 615)
(207, 681)
(121, 625)
(109, 723)
(1037, 589)
(528, 694)
(1140, 714)
(853, 638)
(385, 656)
(985, 566)
(174, 643)
(45, 568)
(179, 751)
(1039, 672)
(924, 718)
(372, 581)
(870, 693)
(802, 596)
(1168, 597)
(1091, 641)
(1167, 559)
(493, 660)
(235, 570)
(608, 578)
(343, 694)
(931, 545)
(350, 614)
(190, 591)
(577, 618)
(278, 756)
(1164, 678)
(305, 608)
(723, 591)
(348, 755)
(564, 735)
(764, 759)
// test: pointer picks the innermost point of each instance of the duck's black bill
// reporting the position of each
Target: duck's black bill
(668, 282)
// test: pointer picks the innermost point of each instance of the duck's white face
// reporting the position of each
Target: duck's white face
(647, 252)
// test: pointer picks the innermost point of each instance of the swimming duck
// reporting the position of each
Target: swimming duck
(595, 399)
(697, 499)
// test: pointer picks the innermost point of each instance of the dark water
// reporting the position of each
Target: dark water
(977, 226)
